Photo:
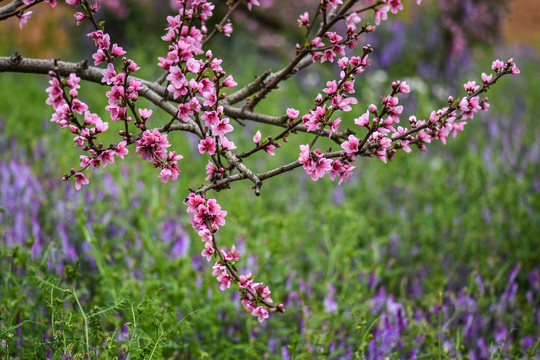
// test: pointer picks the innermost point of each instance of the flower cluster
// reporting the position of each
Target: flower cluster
(191, 90)
(381, 128)
(153, 147)
(338, 96)
(190, 79)
(207, 217)
(67, 106)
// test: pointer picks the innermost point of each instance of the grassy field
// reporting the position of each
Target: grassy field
(432, 256)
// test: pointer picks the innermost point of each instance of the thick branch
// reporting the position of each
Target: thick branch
(244, 170)
(150, 91)
(10, 9)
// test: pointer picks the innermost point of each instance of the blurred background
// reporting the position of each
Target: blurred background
(433, 255)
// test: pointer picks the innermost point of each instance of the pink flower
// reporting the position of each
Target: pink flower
(109, 74)
(486, 78)
(363, 120)
(341, 170)
(145, 113)
(264, 292)
(353, 19)
(395, 6)
(226, 144)
(73, 81)
(248, 304)
(218, 269)
(120, 149)
(317, 42)
(23, 18)
(207, 145)
(117, 50)
(497, 66)
(333, 37)
(232, 255)
(305, 157)
(229, 82)
(78, 106)
(334, 126)
(351, 146)
(250, 3)
(205, 10)
(404, 87)
(99, 57)
(210, 170)
(342, 102)
(261, 312)
(227, 29)
(471, 86)
(331, 87)
(184, 111)
(221, 127)
(80, 180)
(118, 113)
(106, 157)
(320, 167)
(178, 82)
(244, 281)
(104, 42)
(152, 144)
(194, 201)
(170, 172)
(131, 65)
(292, 113)
(270, 149)
(208, 251)
(79, 140)
(205, 234)
(101, 126)
(210, 96)
(424, 136)
(304, 19)
(115, 94)
(515, 70)
(457, 127)
(210, 117)
(381, 14)
(348, 87)
(225, 280)
(328, 55)
(334, 3)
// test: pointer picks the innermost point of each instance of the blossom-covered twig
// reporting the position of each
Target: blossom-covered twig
(192, 91)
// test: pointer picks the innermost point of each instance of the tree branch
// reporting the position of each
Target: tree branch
(10, 9)
(150, 91)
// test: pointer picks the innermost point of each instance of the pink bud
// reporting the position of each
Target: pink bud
(257, 137)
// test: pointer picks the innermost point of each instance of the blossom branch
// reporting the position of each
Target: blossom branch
(232, 271)
(292, 67)
(151, 91)
(222, 22)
